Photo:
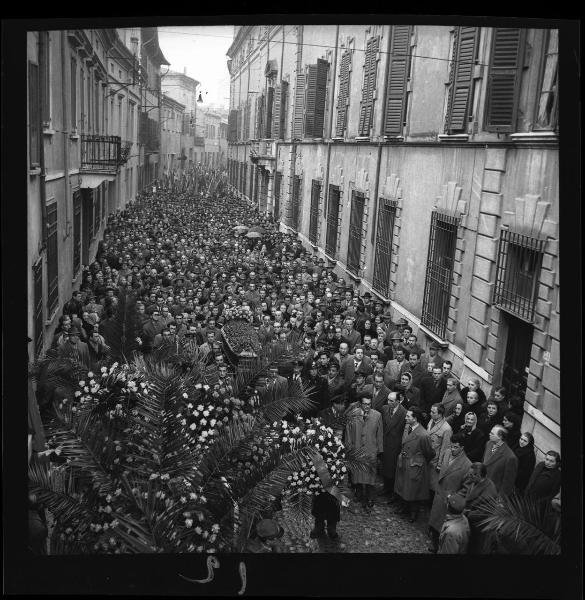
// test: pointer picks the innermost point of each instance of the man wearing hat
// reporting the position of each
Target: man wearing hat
(454, 536)
(434, 359)
(74, 348)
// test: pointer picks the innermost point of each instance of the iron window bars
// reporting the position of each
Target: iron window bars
(519, 262)
(443, 237)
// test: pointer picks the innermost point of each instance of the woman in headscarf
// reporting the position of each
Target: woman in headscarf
(526, 461)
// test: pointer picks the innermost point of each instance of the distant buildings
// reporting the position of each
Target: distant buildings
(422, 163)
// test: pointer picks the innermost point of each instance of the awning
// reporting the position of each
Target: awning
(93, 180)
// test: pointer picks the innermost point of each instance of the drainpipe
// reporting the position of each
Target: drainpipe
(66, 119)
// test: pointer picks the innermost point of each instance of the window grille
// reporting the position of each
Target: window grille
(38, 306)
(332, 220)
(277, 188)
(52, 258)
(519, 262)
(76, 232)
(314, 221)
(443, 237)
(383, 248)
(355, 232)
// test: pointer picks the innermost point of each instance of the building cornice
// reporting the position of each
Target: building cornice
(240, 37)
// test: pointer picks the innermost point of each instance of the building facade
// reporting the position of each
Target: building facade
(422, 163)
(172, 154)
(85, 91)
(213, 128)
(183, 89)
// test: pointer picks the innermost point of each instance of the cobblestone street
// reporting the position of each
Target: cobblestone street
(383, 530)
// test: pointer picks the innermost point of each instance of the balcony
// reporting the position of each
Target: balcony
(101, 153)
(262, 150)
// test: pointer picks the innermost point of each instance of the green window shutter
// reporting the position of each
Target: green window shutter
(299, 107)
(343, 94)
(369, 85)
(398, 67)
(464, 56)
(505, 75)
(310, 97)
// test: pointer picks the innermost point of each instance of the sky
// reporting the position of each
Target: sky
(203, 51)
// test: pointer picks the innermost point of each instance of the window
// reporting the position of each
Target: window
(396, 87)
(333, 216)
(296, 201)
(383, 248)
(547, 107)
(82, 99)
(439, 273)
(96, 104)
(316, 79)
(131, 113)
(38, 306)
(33, 115)
(277, 189)
(52, 258)
(343, 95)
(369, 86)
(314, 216)
(505, 73)
(355, 231)
(73, 94)
(76, 232)
(519, 262)
(460, 98)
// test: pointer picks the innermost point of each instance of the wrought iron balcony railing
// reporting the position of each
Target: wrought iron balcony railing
(100, 153)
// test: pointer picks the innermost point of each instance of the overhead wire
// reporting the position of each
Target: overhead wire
(396, 54)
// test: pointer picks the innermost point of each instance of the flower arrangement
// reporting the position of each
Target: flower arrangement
(323, 440)
(240, 335)
(239, 312)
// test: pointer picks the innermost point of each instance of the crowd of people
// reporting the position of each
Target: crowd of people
(435, 441)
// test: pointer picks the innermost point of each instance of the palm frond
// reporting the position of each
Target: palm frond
(123, 328)
(522, 523)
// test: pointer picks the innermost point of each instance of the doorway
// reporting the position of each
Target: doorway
(517, 358)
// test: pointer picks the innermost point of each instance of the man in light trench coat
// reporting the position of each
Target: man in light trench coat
(364, 430)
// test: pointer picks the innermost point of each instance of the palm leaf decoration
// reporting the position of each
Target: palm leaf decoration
(523, 525)
(123, 328)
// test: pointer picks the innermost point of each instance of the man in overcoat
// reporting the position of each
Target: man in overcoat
(454, 536)
(452, 471)
(476, 489)
(501, 463)
(75, 349)
(412, 470)
(440, 435)
(393, 414)
(365, 431)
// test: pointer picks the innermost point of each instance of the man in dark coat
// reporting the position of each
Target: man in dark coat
(476, 489)
(501, 463)
(334, 415)
(452, 472)
(393, 415)
(412, 470)
(320, 392)
(335, 383)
